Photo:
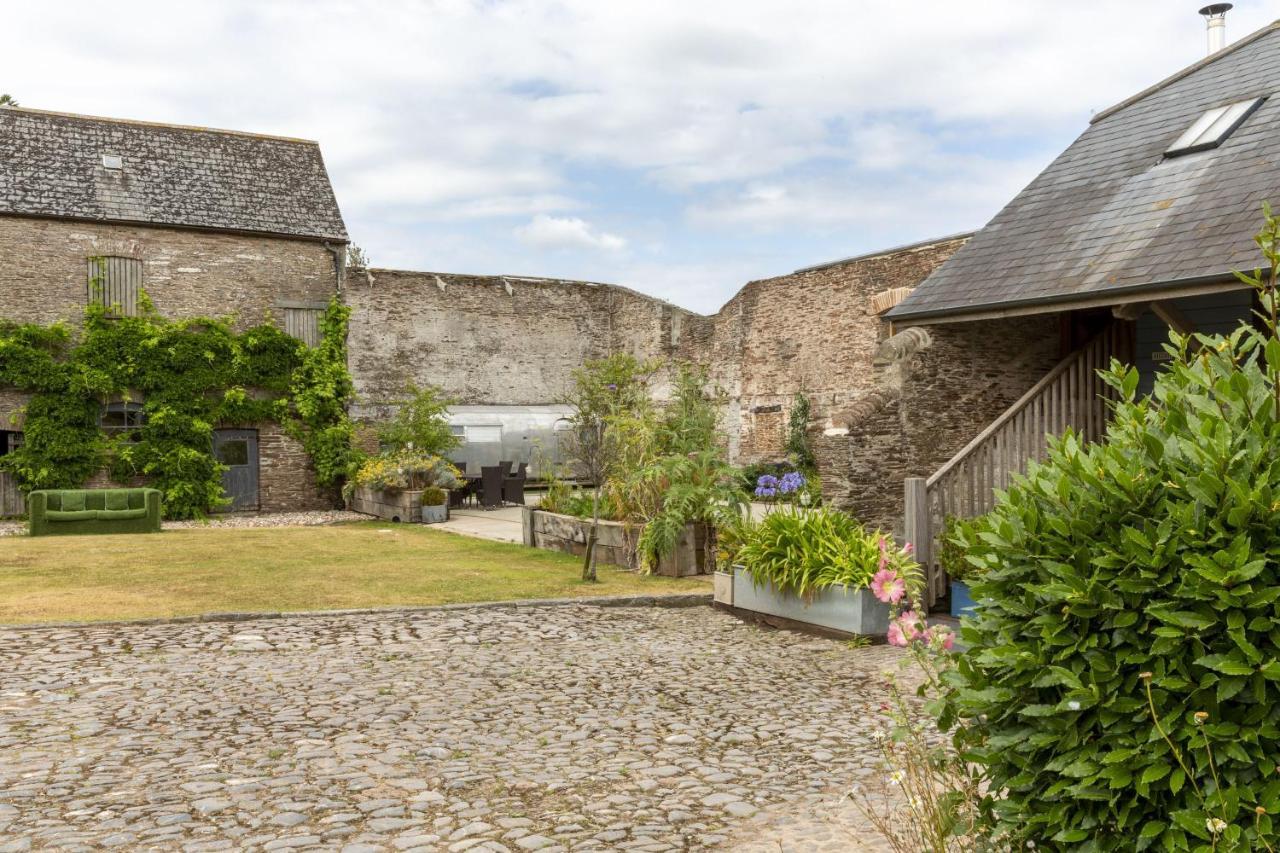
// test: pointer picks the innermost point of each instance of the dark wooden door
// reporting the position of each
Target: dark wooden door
(238, 450)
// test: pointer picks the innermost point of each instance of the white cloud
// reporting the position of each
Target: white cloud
(447, 123)
(568, 232)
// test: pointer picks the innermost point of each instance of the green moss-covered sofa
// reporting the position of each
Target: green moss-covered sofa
(53, 512)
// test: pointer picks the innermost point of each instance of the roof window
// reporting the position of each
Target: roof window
(112, 161)
(1212, 128)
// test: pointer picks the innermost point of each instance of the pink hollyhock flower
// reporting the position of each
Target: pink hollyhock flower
(888, 587)
(896, 637)
(943, 636)
(912, 625)
(908, 549)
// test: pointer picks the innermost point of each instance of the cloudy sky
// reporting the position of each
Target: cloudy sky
(679, 147)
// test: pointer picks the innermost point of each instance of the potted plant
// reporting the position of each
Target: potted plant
(435, 505)
(957, 534)
(728, 543)
(823, 568)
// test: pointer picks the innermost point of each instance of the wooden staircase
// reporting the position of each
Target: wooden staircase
(1070, 395)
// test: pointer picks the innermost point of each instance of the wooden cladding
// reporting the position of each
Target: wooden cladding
(115, 283)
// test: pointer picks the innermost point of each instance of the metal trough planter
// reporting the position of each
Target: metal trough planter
(854, 611)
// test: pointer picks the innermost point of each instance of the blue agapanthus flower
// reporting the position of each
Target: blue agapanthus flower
(791, 483)
(767, 486)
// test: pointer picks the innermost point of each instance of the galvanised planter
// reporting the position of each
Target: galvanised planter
(854, 611)
(722, 587)
(435, 514)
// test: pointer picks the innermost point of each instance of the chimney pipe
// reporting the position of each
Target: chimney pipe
(1215, 17)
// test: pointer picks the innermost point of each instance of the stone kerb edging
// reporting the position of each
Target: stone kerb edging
(680, 600)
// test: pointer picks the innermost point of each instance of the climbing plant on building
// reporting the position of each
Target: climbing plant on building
(186, 377)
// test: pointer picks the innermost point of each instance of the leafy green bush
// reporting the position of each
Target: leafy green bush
(805, 551)
(189, 375)
(562, 500)
(421, 423)
(406, 469)
(952, 550)
(434, 496)
(1121, 688)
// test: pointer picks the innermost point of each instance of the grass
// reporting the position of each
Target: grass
(189, 572)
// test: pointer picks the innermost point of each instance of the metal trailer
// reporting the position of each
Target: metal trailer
(530, 434)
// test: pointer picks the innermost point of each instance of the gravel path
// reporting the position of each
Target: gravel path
(504, 729)
(270, 519)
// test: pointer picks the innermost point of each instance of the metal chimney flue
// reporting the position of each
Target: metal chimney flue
(1215, 18)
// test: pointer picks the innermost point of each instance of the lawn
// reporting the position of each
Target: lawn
(189, 572)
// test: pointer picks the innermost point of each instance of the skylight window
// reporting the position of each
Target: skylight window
(1212, 128)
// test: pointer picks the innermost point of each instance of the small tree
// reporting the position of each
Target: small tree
(356, 257)
(7, 101)
(610, 428)
(422, 423)
(689, 479)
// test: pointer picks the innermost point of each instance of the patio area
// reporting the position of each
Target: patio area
(502, 729)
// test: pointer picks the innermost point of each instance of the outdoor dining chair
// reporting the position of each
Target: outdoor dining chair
(513, 487)
(491, 486)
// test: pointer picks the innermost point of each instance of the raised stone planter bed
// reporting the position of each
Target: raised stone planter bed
(404, 505)
(553, 532)
(838, 608)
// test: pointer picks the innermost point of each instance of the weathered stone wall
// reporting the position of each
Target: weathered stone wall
(286, 478)
(812, 331)
(950, 391)
(186, 273)
(490, 340)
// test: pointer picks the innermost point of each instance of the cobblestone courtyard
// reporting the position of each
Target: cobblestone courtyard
(528, 728)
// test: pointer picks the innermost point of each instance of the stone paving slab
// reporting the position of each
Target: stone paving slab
(566, 728)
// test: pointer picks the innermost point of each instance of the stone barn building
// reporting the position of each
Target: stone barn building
(208, 222)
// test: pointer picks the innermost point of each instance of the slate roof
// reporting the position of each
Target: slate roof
(1111, 216)
(51, 166)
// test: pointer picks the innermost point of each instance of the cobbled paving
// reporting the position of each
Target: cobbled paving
(535, 728)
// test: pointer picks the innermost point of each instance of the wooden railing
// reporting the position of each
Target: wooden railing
(1069, 395)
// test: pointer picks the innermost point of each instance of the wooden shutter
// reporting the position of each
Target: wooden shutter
(303, 324)
(116, 283)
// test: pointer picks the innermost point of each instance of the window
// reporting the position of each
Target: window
(458, 431)
(1212, 128)
(303, 324)
(484, 434)
(116, 284)
(9, 441)
(234, 452)
(120, 418)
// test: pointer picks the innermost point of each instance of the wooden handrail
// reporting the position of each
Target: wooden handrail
(1018, 405)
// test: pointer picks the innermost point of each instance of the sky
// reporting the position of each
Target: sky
(677, 147)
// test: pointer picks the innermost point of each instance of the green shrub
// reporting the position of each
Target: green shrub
(1153, 552)
(406, 469)
(562, 500)
(802, 552)
(952, 550)
(421, 423)
(434, 496)
(1148, 562)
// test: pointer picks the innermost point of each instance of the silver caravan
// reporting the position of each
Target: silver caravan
(491, 434)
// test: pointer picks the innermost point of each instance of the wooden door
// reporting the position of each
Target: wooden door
(237, 449)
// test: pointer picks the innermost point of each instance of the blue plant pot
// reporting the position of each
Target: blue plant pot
(961, 601)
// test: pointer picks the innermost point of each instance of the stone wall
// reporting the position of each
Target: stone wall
(186, 273)
(286, 478)
(812, 331)
(488, 339)
(947, 394)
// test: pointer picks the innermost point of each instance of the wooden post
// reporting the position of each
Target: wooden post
(917, 528)
(526, 519)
